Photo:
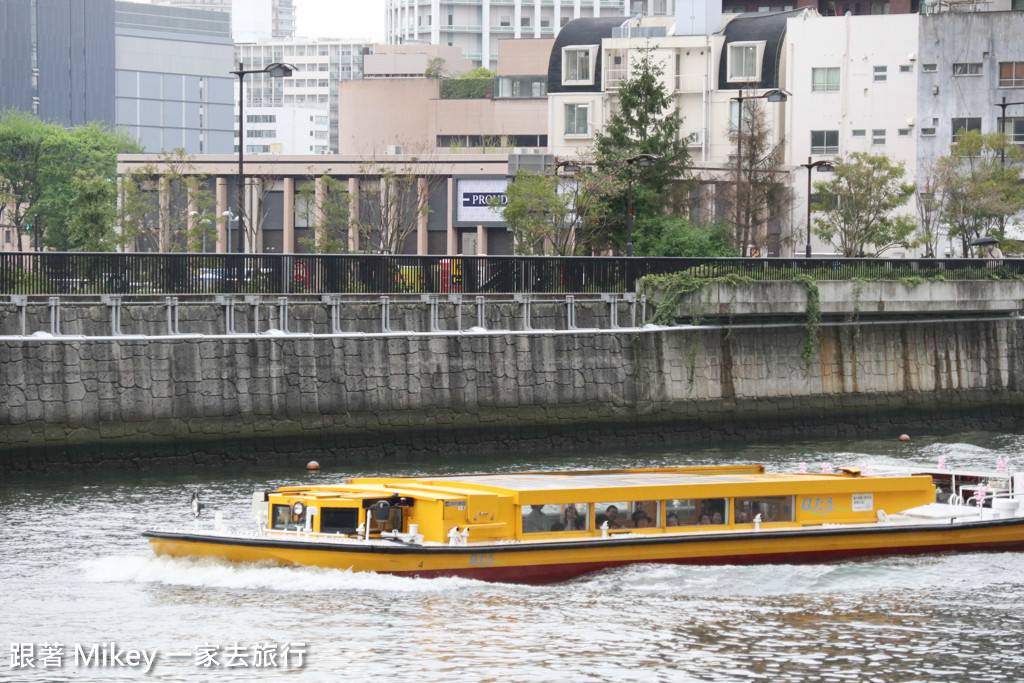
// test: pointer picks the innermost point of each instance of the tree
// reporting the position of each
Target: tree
(859, 206)
(978, 184)
(327, 213)
(929, 204)
(646, 121)
(92, 213)
(393, 200)
(22, 137)
(563, 215)
(43, 166)
(758, 191)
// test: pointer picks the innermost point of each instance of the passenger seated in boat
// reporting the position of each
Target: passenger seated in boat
(600, 520)
(571, 520)
(613, 517)
(672, 520)
(536, 520)
(558, 526)
(641, 520)
(705, 519)
(717, 518)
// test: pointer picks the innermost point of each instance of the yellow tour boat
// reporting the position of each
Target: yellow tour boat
(539, 527)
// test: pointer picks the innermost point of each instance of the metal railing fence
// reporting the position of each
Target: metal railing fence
(80, 273)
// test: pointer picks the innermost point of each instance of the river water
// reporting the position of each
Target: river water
(84, 598)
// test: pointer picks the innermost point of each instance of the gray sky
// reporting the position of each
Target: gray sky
(340, 19)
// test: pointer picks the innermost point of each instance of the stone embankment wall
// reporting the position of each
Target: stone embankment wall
(81, 402)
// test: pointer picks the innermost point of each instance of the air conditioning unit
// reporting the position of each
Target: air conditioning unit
(394, 149)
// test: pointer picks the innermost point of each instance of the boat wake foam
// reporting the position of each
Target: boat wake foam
(205, 572)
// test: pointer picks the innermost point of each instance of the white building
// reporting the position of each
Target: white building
(475, 26)
(267, 18)
(319, 65)
(854, 86)
(286, 130)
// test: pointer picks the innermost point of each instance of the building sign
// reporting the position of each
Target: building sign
(473, 197)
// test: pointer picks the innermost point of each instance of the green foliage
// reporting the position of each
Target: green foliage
(810, 345)
(45, 173)
(682, 285)
(436, 68)
(92, 213)
(979, 186)
(663, 235)
(476, 84)
(561, 215)
(646, 122)
(858, 206)
(328, 216)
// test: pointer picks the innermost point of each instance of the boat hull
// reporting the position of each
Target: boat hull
(556, 561)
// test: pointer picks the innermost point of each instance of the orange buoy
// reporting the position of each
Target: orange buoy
(904, 437)
(312, 465)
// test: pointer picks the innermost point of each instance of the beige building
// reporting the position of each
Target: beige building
(439, 208)
(379, 115)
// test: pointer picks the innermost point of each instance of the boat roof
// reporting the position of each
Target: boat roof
(610, 484)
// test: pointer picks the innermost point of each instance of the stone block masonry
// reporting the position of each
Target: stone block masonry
(86, 403)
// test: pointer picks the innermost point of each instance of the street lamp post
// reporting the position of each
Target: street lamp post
(1002, 123)
(275, 70)
(824, 165)
(203, 221)
(228, 218)
(638, 160)
(774, 95)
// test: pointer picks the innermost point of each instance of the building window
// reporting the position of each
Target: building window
(1011, 74)
(967, 123)
(927, 132)
(929, 68)
(745, 62)
(967, 69)
(903, 132)
(824, 142)
(505, 20)
(576, 119)
(825, 79)
(906, 68)
(524, 22)
(878, 136)
(881, 73)
(1014, 128)
(859, 133)
(578, 66)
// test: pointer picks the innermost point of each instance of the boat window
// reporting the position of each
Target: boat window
(339, 520)
(771, 509)
(644, 513)
(538, 518)
(572, 517)
(696, 511)
(616, 514)
(283, 518)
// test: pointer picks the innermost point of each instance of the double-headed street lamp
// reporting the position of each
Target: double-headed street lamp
(823, 165)
(774, 95)
(638, 160)
(275, 70)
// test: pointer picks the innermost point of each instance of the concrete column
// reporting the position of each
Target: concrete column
(353, 214)
(222, 222)
(288, 245)
(481, 240)
(453, 235)
(164, 215)
(422, 202)
(319, 219)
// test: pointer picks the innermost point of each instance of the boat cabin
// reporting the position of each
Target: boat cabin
(562, 505)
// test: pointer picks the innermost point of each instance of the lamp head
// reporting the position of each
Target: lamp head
(279, 70)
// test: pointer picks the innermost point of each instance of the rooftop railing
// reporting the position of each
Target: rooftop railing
(78, 273)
